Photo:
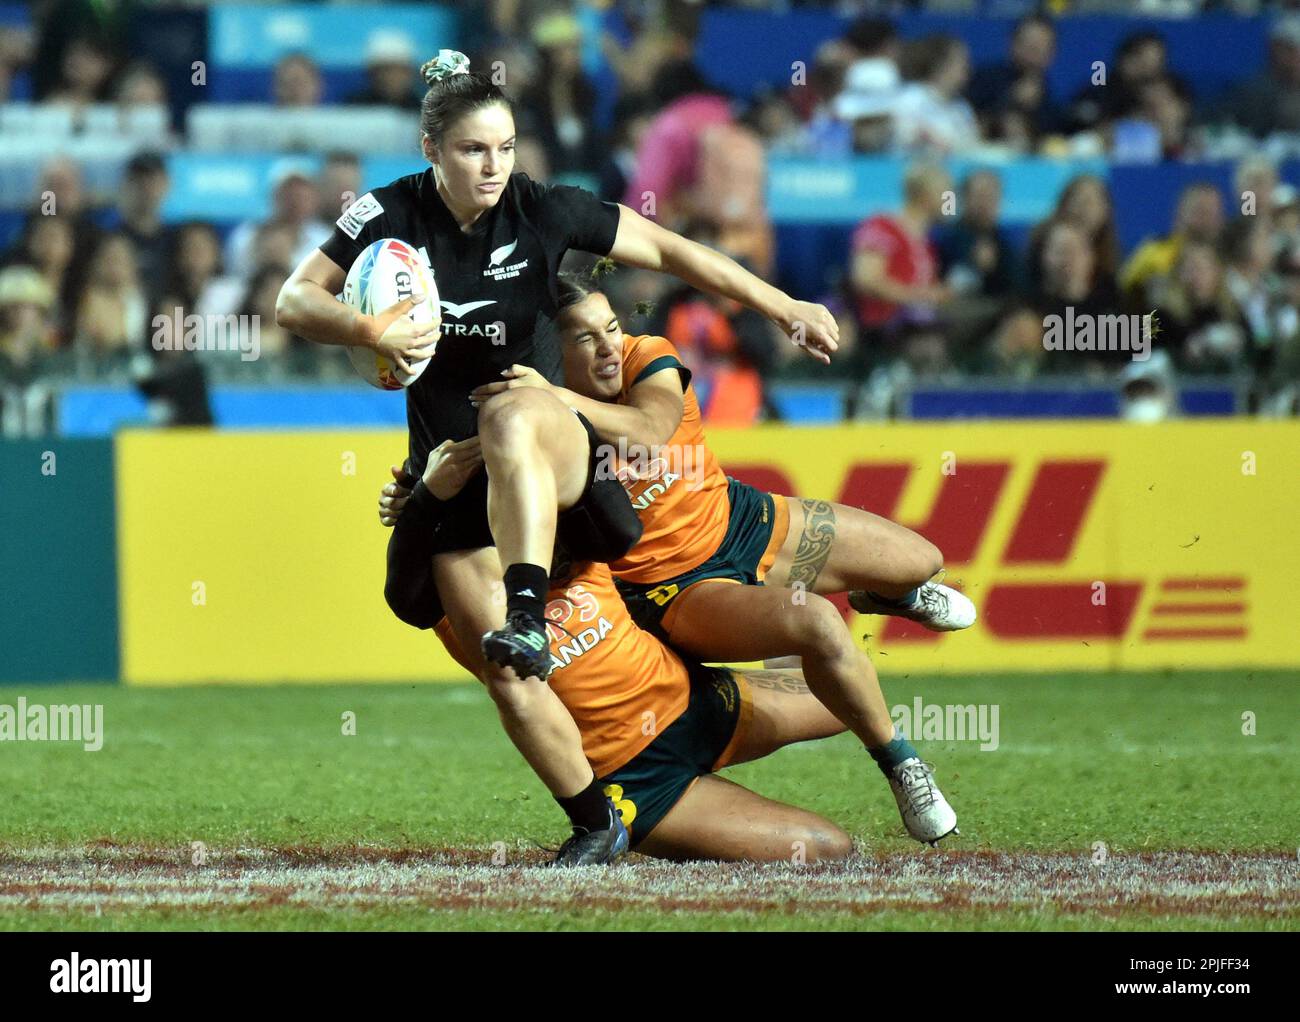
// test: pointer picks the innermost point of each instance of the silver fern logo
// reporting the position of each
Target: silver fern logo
(501, 254)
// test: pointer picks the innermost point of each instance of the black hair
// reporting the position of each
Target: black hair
(869, 35)
(573, 288)
(1134, 41)
(452, 97)
(679, 78)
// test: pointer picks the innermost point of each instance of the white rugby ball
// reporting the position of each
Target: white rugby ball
(385, 273)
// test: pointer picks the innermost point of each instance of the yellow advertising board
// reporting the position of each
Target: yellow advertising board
(250, 557)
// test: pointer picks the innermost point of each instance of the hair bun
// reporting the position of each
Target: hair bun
(444, 65)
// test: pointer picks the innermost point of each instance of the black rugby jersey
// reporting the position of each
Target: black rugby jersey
(496, 285)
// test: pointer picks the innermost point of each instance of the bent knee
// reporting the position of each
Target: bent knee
(515, 411)
(824, 842)
(818, 628)
(930, 560)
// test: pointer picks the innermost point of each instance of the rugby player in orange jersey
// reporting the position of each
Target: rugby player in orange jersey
(725, 572)
(655, 728)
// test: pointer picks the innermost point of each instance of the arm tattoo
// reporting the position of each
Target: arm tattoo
(814, 544)
(778, 681)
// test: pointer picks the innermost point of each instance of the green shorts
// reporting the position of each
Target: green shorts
(755, 531)
(703, 739)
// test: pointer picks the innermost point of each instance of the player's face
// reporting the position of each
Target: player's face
(476, 158)
(593, 349)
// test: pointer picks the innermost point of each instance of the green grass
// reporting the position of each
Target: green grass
(1142, 762)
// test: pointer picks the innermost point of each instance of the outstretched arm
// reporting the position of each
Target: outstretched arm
(643, 243)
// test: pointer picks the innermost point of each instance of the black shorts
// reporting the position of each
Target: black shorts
(464, 522)
(601, 526)
(703, 739)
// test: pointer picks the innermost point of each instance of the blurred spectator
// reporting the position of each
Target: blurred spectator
(875, 51)
(1016, 348)
(893, 272)
(16, 45)
(140, 85)
(1199, 217)
(1019, 84)
(87, 72)
(1071, 287)
(26, 330)
(112, 315)
(1141, 58)
(561, 107)
(1200, 323)
(279, 348)
(1255, 182)
(931, 116)
(730, 349)
(392, 73)
(1250, 277)
(1166, 105)
(668, 157)
(296, 207)
(340, 185)
(696, 163)
(172, 379)
(297, 82)
(48, 245)
(1270, 102)
(193, 265)
(64, 25)
(26, 344)
(618, 159)
(975, 255)
(138, 216)
(1085, 202)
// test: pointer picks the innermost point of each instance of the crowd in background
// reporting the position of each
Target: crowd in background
(935, 288)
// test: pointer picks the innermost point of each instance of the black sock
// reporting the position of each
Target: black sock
(526, 586)
(589, 809)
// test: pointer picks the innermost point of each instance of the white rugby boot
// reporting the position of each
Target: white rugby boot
(926, 813)
(938, 607)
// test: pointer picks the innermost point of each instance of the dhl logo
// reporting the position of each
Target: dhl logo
(1051, 517)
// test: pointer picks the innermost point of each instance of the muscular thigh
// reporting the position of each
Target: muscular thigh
(782, 711)
(832, 547)
(468, 581)
(720, 820)
(725, 621)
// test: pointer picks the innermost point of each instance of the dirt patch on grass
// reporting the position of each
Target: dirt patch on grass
(104, 878)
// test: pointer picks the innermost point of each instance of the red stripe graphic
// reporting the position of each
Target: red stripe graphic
(1059, 610)
(1053, 512)
(1180, 584)
(1198, 608)
(1194, 633)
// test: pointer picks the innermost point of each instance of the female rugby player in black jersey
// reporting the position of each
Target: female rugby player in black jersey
(494, 240)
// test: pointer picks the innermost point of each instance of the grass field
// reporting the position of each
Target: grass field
(398, 826)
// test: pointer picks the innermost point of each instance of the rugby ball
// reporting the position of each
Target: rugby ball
(385, 273)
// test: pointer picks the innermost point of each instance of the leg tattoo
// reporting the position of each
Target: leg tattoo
(814, 544)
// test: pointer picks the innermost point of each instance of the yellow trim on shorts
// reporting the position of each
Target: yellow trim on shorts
(670, 615)
(743, 722)
(780, 529)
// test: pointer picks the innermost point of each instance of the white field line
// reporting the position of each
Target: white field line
(1169, 882)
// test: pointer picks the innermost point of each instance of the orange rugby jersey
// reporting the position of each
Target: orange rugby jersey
(679, 490)
(621, 684)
